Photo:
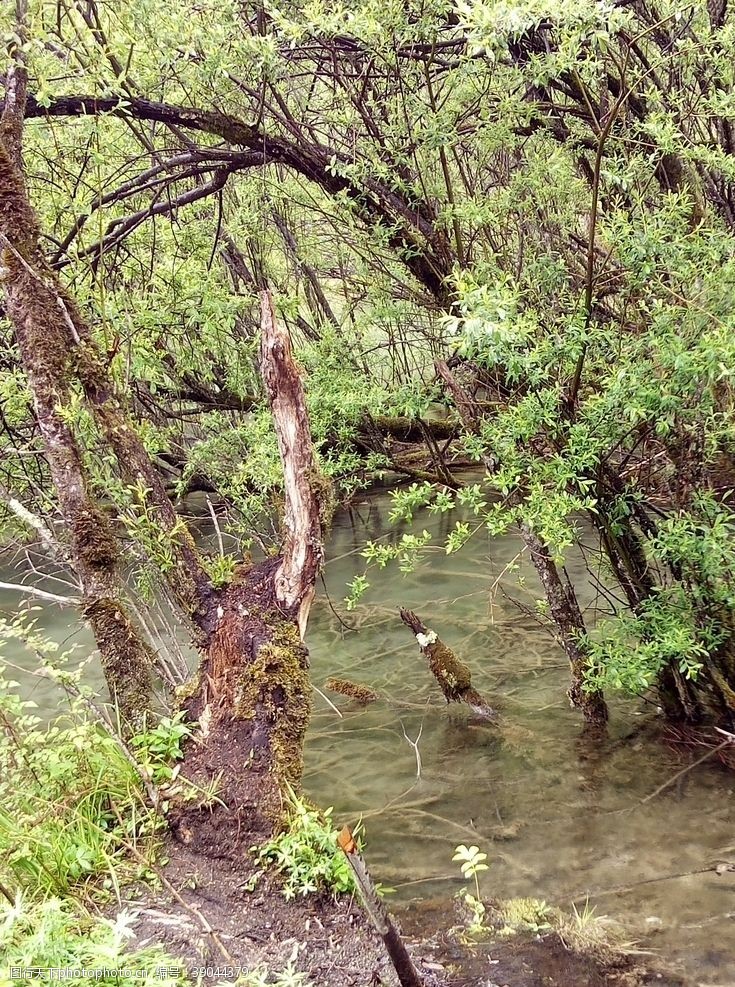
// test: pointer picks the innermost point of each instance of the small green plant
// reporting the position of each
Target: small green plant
(526, 915)
(306, 853)
(160, 746)
(60, 934)
(221, 569)
(472, 862)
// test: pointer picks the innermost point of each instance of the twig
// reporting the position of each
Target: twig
(694, 764)
(33, 521)
(415, 745)
(6, 894)
(329, 702)
(216, 527)
(41, 594)
(621, 888)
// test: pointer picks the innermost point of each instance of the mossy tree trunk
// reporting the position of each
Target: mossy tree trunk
(40, 314)
(254, 696)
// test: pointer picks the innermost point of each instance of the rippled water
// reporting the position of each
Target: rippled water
(561, 817)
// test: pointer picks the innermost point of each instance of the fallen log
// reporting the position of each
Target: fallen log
(453, 676)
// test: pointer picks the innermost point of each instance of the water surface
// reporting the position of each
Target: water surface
(561, 816)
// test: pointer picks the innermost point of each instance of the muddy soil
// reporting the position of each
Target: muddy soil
(218, 928)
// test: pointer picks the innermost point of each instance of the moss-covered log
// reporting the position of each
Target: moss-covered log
(451, 673)
(362, 694)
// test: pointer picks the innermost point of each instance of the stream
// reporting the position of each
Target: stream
(562, 817)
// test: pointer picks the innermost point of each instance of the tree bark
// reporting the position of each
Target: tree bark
(39, 313)
(253, 698)
(452, 675)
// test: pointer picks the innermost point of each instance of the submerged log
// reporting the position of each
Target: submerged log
(362, 694)
(452, 675)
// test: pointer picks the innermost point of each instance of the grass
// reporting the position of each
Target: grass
(581, 931)
(72, 803)
(69, 800)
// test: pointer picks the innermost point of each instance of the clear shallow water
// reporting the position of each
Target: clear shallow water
(560, 816)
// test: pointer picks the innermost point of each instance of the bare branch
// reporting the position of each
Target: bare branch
(41, 594)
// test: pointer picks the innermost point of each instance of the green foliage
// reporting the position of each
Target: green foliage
(221, 569)
(69, 800)
(306, 853)
(58, 933)
(159, 747)
(681, 625)
(538, 193)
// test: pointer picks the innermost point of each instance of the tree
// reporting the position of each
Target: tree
(540, 198)
(252, 692)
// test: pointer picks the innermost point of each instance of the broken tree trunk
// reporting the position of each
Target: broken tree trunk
(38, 311)
(253, 699)
(453, 676)
(563, 604)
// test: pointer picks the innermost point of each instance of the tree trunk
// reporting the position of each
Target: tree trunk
(253, 698)
(567, 616)
(38, 312)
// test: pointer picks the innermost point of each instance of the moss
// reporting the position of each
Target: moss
(126, 661)
(323, 490)
(188, 689)
(95, 540)
(353, 690)
(275, 685)
(453, 675)
(727, 693)
(523, 914)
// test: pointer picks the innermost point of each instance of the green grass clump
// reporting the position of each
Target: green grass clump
(70, 800)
